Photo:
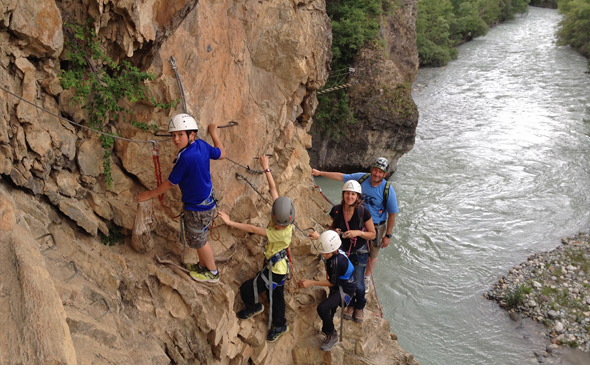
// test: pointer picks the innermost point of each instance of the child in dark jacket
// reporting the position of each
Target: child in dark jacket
(340, 280)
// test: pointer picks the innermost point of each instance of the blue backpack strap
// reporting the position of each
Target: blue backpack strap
(349, 271)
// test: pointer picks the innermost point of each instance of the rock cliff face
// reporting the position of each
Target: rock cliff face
(65, 297)
(381, 99)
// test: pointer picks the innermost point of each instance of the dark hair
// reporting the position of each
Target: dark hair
(359, 199)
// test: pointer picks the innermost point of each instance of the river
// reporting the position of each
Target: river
(500, 170)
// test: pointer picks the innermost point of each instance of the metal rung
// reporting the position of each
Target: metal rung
(75, 272)
(52, 239)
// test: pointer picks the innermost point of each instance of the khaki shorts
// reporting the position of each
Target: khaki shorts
(375, 245)
(196, 227)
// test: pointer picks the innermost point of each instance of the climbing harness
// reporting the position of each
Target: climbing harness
(268, 282)
(211, 200)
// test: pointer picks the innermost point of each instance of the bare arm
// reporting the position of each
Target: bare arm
(272, 187)
(212, 129)
(369, 234)
(390, 223)
(147, 195)
(242, 226)
(338, 176)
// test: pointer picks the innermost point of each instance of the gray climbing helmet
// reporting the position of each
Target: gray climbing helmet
(382, 164)
(283, 211)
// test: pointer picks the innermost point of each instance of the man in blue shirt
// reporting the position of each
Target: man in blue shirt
(383, 211)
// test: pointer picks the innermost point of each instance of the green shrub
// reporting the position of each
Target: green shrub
(515, 297)
(102, 84)
(355, 23)
(575, 26)
(444, 24)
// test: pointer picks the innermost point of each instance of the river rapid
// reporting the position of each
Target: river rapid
(500, 170)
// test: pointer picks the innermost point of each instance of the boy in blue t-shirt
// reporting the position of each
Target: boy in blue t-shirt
(192, 174)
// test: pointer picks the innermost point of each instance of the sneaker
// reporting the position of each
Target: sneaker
(276, 332)
(359, 315)
(247, 313)
(205, 276)
(348, 311)
(195, 267)
(367, 284)
(330, 341)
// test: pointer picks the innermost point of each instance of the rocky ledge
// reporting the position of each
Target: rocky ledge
(552, 288)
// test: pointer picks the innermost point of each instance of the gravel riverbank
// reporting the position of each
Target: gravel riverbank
(552, 288)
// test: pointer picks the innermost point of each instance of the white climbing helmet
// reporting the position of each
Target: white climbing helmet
(329, 241)
(183, 122)
(352, 186)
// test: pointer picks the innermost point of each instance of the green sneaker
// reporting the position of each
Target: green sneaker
(246, 313)
(195, 267)
(205, 276)
(276, 332)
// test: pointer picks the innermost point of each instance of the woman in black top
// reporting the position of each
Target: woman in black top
(354, 224)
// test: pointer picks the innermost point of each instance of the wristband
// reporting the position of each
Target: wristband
(267, 170)
(388, 236)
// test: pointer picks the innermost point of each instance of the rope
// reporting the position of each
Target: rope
(327, 199)
(155, 145)
(334, 88)
(73, 122)
(180, 87)
(247, 168)
(376, 297)
(335, 77)
(158, 173)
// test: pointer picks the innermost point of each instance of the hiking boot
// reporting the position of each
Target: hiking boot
(348, 311)
(247, 313)
(330, 341)
(205, 276)
(367, 284)
(276, 332)
(359, 315)
(195, 267)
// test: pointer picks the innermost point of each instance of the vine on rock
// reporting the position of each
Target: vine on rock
(103, 86)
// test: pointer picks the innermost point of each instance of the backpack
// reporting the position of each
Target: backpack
(385, 189)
